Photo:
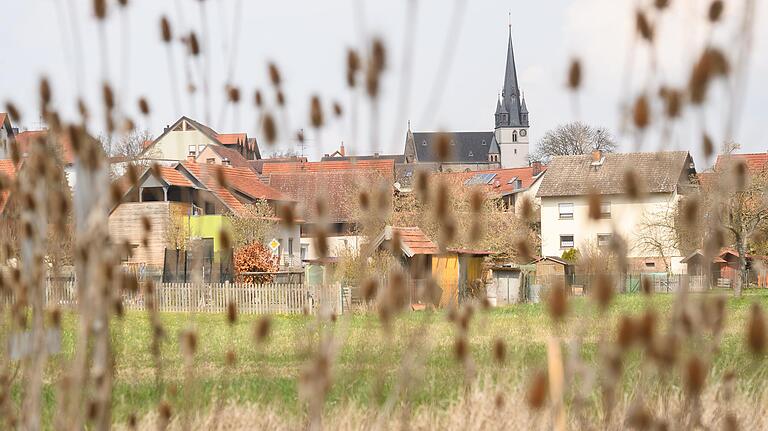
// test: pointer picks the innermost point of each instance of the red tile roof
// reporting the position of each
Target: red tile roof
(386, 168)
(3, 116)
(7, 170)
(501, 182)
(174, 177)
(340, 189)
(24, 140)
(241, 179)
(416, 240)
(232, 138)
(756, 162)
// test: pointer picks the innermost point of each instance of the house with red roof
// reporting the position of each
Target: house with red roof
(188, 138)
(336, 186)
(510, 186)
(190, 201)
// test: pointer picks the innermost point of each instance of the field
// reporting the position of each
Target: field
(367, 369)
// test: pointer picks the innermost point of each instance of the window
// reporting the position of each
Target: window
(424, 143)
(605, 209)
(514, 137)
(303, 252)
(192, 150)
(566, 211)
(290, 248)
(210, 161)
(515, 150)
(471, 154)
(566, 241)
(603, 239)
(483, 141)
(650, 264)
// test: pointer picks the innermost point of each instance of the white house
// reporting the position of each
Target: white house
(6, 135)
(570, 180)
(188, 138)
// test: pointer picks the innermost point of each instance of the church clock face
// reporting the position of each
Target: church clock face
(523, 132)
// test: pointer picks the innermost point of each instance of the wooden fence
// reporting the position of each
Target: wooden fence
(275, 298)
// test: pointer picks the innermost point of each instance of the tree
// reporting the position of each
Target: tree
(662, 233)
(573, 139)
(741, 208)
(129, 149)
(257, 226)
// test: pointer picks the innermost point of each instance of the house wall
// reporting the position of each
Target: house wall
(125, 225)
(5, 148)
(206, 226)
(336, 244)
(208, 153)
(463, 167)
(626, 216)
(175, 145)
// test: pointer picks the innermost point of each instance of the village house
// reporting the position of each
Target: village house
(186, 202)
(509, 186)
(337, 184)
(187, 137)
(565, 193)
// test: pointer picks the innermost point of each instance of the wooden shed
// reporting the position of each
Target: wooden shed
(550, 269)
(455, 270)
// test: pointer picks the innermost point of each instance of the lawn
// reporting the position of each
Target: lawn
(367, 367)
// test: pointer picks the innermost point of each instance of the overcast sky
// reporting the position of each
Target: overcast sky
(308, 39)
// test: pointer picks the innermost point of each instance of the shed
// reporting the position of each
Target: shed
(454, 270)
(550, 269)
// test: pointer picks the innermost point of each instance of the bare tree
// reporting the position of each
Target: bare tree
(742, 210)
(657, 234)
(573, 139)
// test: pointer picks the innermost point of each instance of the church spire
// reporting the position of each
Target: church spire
(511, 103)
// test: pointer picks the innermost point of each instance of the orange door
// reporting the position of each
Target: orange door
(445, 270)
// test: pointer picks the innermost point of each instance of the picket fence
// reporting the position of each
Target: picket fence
(273, 298)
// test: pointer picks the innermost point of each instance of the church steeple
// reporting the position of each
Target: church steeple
(510, 95)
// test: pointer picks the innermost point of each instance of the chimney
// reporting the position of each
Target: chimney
(166, 128)
(536, 168)
(596, 155)
(341, 149)
(225, 161)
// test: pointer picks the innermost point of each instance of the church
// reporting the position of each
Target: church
(504, 147)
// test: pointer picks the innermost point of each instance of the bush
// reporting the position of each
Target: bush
(255, 257)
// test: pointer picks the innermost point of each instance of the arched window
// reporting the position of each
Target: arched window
(514, 136)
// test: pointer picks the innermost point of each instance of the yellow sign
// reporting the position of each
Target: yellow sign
(274, 244)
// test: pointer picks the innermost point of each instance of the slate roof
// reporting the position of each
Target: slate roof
(466, 147)
(660, 172)
(340, 188)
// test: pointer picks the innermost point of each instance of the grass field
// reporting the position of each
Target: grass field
(367, 368)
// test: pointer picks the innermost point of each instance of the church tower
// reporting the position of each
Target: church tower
(511, 131)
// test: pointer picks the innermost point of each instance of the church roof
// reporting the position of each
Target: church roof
(466, 147)
(511, 95)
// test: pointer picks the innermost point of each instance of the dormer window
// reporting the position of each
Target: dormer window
(471, 154)
(424, 143)
(483, 141)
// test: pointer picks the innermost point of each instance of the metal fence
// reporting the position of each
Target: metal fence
(274, 298)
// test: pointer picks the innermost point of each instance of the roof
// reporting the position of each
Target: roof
(756, 162)
(466, 147)
(235, 158)
(397, 158)
(511, 95)
(413, 241)
(217, 138)
(661, 172)
(720, 256)
(242, 180)
(7, 170)
(500, 181)
(340, 187)
(232, 138)
(383, 167)
(173, 177)
(24, 140)
(553, 259)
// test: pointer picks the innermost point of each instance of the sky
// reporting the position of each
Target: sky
(445, 66)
